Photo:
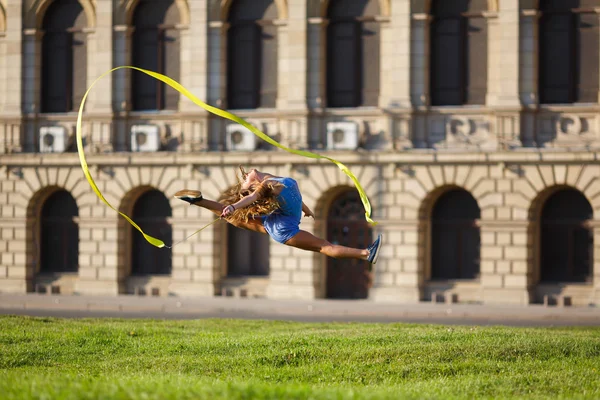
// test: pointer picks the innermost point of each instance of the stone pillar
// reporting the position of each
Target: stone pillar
(419, 57)
(398, 279)
(194, 260)
(98, 262)
(121, 56)
(396, 57)
(13, 60)
(216, 85)
(504, 31)
(505, 274)
(419, 72)
(32, 51)
(528, 66)
(121, 86)
(3, 70)
(296, 56)
(315, 62)
(284, 65)
(595, 297)
(100, 58)
(293, 271)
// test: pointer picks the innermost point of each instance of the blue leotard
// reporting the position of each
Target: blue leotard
(284, 223)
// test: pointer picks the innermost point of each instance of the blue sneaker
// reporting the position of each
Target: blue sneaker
(374, 250)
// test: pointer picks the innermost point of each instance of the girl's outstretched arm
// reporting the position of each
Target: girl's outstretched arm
(245, 201)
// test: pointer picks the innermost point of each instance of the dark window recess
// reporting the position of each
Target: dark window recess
(455, 237)
(458, 40)
(568, 52)
(59, 234)
(252, 55)
(64, 57)
(346, 226)
(248, 253)
(567, 242)
(353, 54)
(150, 212)
(155, 47)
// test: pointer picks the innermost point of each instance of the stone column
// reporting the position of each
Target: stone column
(296, 56)
(505, 273)
(98, 262)
(32, 51)
(121, 85)
(216, 85)
(504, 30)
(595, 297)
(315, 62)
(396, 57)
(100, 59)
(419, 67)
(14, 58)
(284, 64)
(3, 70)
(528, 66)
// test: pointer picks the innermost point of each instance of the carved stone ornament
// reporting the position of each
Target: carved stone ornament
(570, 125)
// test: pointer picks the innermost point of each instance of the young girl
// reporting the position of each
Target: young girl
(270, 204)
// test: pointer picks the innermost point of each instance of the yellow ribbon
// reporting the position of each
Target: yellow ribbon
(175, 85)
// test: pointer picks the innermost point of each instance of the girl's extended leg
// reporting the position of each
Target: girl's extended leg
(307, 241)
(192, 196)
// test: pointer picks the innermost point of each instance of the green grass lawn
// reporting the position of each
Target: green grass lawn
(50, 358)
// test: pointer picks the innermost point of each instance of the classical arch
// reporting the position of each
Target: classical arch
(128, 7)
(34, 17)
(220, 9)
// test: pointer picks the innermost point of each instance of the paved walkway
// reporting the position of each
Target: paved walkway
(295, 310)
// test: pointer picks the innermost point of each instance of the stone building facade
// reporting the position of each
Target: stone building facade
(472, 125)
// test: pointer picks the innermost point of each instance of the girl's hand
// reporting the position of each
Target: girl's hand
(227, 211)
(309, 213)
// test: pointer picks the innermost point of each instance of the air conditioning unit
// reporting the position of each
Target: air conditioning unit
(53, 139)
(145, 138)
(342, 135)
(239, 138)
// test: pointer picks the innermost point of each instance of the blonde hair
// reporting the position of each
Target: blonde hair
(265, 205)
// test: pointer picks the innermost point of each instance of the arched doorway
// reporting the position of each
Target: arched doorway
(455, 237)
(566, 240)
(346, 225)
(59, 237)
(151, 212)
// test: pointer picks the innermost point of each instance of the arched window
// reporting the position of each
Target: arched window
(458, 68)
(155, 45)
(346, 226)
(567, 243)
(248, 253)
(64, 57)
(151, 213)
(455, 237)
(568, 51)
(59, 234)
(352, 53)
(252, 54)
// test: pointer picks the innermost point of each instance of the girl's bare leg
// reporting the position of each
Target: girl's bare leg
(216, 208)
(307, 241)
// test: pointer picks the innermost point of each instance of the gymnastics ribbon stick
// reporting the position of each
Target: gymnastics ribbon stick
(175, 85)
